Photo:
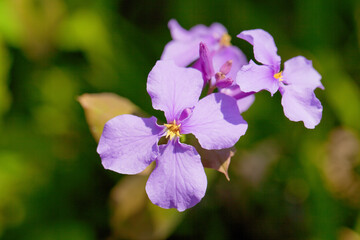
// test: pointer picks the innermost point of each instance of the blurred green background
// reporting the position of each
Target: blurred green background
(287, 182)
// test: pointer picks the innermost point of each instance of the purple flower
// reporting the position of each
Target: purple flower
(296, 82)
(129, 144)
(183, 49)
(220, 68)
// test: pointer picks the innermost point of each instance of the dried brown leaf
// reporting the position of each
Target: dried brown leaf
(215, 159)
(101, 107)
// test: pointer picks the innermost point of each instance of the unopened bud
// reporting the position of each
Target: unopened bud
(226, 67)
(223, 83)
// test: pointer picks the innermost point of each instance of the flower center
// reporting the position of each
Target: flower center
(173, 130)
(225, 40)
(279, 76)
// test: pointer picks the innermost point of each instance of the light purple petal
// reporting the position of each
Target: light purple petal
(128, 143)
(265, 50)
(245, 103)
(177, 32)
(243, 100)
(173, 88)
(254, 78)
(185, 114)
(229, 53)
(183, 49)
(217, 30)
(200, 30)
(300, 72)
(182, 53)
(210, 35)
(178, 180)
(226, 67)
(223, 83)
(235, 92)
(216, 122)
(301, 105)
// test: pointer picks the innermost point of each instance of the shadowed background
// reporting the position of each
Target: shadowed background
(287, 182)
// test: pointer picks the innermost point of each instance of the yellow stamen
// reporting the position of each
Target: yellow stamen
(172, 130)
(225, 40)
(279, 76)
(220, 76)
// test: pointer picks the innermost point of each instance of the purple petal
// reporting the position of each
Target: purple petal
(173, 88)
(178, 180)
(235, 92)
(186, 113)
(265, 50)
(254, 78)
(183, 49)
(182, 53)
(223, 83)
(217, 30)
(215, 122)
(200, 30)
(177, 32)
(226, 67)
(229, 53)
(243, 100)
(300, 72)
(301, 105)
(210, 35)
(128, 143)
(245, 103)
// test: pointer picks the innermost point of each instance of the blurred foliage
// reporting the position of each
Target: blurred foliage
(287, 182)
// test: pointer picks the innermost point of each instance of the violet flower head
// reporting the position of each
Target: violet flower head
(183, 49)
(296, 82)
(129, 144)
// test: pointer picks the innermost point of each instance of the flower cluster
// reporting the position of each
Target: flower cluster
(203, 59)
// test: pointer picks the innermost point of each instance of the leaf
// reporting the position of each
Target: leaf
(215, 159)
(101, 107)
